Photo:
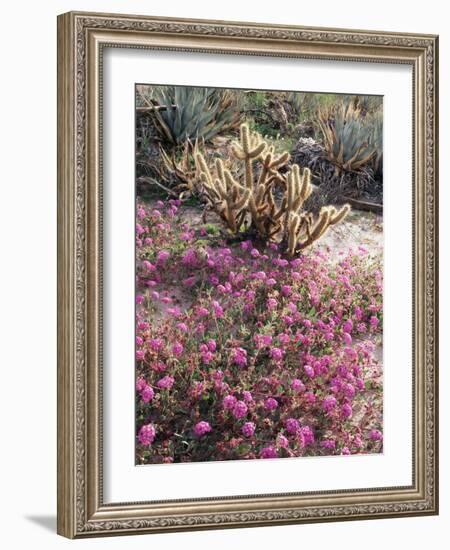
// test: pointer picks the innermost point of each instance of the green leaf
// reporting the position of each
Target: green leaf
(243, 448)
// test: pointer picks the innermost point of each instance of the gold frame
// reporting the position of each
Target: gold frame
(81, 38)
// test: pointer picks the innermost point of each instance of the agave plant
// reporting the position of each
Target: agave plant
(348, 137)
(182, 113)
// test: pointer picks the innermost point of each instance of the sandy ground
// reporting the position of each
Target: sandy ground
(358, 229)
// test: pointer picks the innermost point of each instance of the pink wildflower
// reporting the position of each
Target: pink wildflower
(375, 435)
(276, 354)
(156, 344)
(140, 384)
(286, 290)
(147, 394)
(270, 404)
(212, 346)
(207, 357)
(248, 429)
(309, 371)
(292, 425)
(247, 396)
(308, 435)
(374, 322)
(240, 357)
(240, 409)
(166, 382)
(148, 266)
(202, 312)
(348, 326)
(268, 452)
(182, 327)
(329, 403)
(282, 441)
(297, 385)
(202, 428)
(147, 434)
(229, 402)
(163, 256)
(218, 310)
(177, 348)
(346, 410)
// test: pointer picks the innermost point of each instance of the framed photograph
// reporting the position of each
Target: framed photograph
(247, 276)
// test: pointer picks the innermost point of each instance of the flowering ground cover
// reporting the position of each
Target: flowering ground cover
(243, 354)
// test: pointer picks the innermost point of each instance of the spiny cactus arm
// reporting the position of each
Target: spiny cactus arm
(313, 232)
(220, 187)
(293, 229)
(237, 151)
(338, 216)
(270, 167)
(230, 182)
(236, 194)
(203, 168)
(293, 191)
(250, 145)
(259, 194)
(257, 150)
(220, 168)
(281, 160)
(242, 202)
(235, 204)
(209, 189)
(266, 159)
(321, 225)
(305, 187)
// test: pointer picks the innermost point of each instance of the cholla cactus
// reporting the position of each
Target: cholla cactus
(253, 201)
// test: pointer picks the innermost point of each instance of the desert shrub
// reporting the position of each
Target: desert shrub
(266, 357)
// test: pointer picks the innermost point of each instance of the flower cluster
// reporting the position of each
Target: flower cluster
(242, 354)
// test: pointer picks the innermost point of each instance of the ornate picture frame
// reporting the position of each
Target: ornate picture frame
(82, 38)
